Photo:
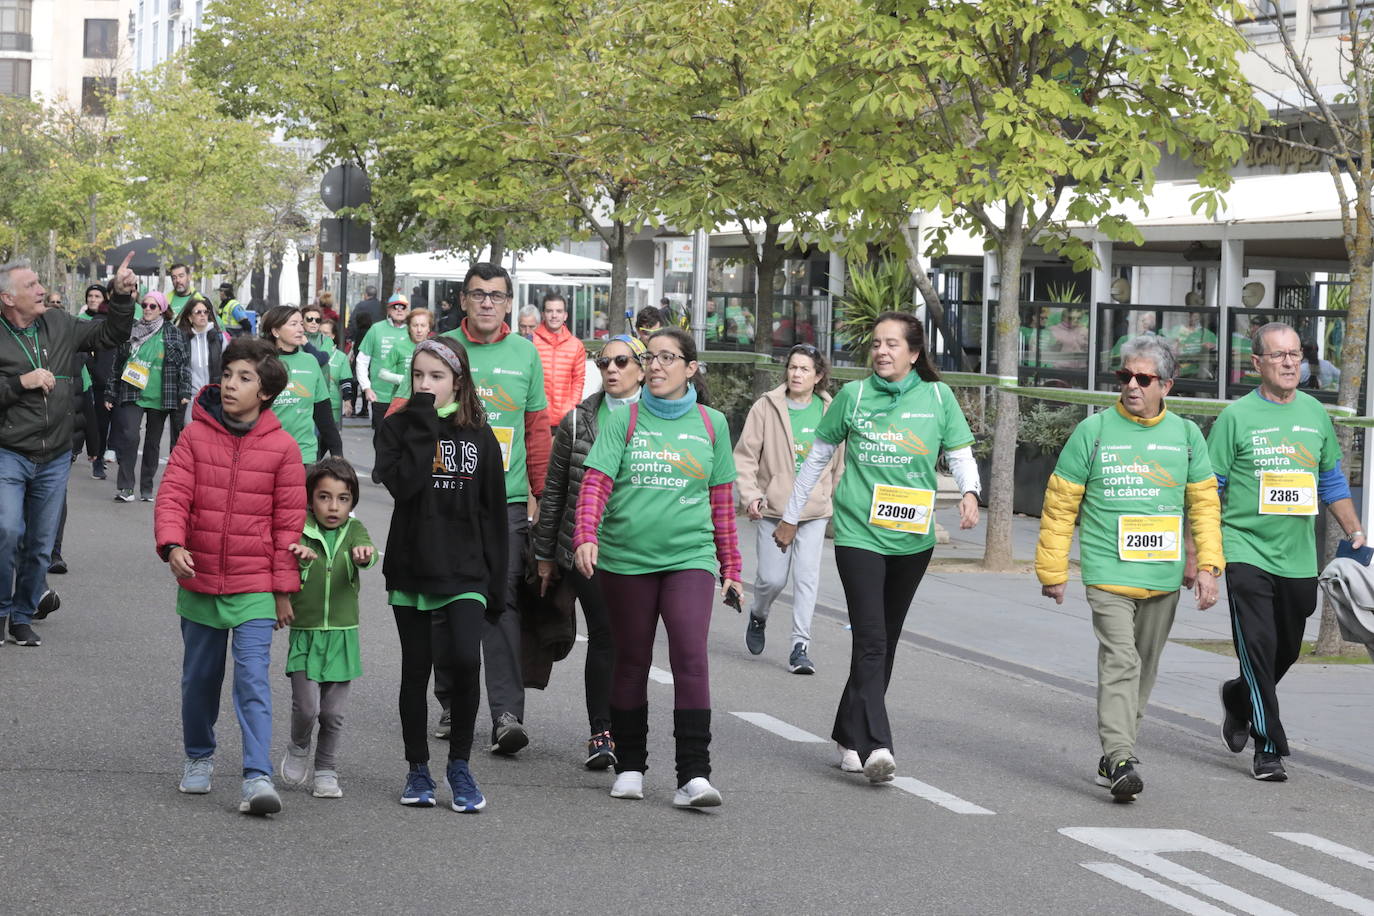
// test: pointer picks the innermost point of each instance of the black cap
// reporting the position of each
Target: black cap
(226, 287)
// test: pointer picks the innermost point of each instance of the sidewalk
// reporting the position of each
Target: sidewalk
(1326, 708)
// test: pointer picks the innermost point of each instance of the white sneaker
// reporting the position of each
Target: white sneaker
(326, 785)
(880, 767)
(295, 766)
(698, 793)
(849, 760)
(629, 784)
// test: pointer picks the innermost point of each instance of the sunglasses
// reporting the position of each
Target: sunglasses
(1143, 379)
(620, 361)
(314, 318)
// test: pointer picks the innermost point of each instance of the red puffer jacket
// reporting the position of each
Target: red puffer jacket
(235, 502)
(565, 369)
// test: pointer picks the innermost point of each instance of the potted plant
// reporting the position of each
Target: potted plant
(1042, 430)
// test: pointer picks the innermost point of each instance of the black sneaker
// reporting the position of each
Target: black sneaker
(1267, 766)
(799, 663)
(21, 634)
(58, 566)
(47, 604)
(445, 726)
(98, 469)
(508, 736)
(124, 496)
(1234, 732)
(600, 752)
(1121, 778)
(753, 636)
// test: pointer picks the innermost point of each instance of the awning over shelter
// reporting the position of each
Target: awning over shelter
(442, 265)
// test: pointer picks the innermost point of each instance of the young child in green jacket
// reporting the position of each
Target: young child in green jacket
(323, 657)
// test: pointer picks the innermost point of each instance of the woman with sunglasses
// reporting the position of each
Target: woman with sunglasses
(893, 424)
(152, 381)
(777, 437)
(621, 378)
(656, 513)
(303, 406)
(204, 345)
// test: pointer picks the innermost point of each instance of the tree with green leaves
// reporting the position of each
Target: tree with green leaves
(1014, 121)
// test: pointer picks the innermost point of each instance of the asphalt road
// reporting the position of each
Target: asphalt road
(996, 811)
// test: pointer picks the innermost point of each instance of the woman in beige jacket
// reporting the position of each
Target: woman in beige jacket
(777, 437)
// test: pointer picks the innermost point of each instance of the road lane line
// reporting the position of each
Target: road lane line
(1152, 888)
(658, 674)
(1344, 853)
(938, 796)
(778, 727)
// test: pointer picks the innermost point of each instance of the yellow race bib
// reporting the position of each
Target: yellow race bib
(908, 509)
(136, 374)
(1149, 538)
(505, 437)
(1287, 493)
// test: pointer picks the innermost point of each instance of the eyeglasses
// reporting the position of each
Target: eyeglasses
(152, 305)
(195, 313)
(665, 358)
(481, 295)
(1143, 379)
(620, 361)
(1278, 356)
(314, 318)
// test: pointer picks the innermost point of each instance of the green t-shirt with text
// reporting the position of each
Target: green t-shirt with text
(377, 345)
(1135, 481)
(659, 515)
(151, 353)
(804, 421)
(510, 381)
(885, 500)
(1280, 451)
(295, 406)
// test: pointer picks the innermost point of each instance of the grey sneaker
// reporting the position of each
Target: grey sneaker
(124, 496)
(195, 775)
(445, 726)
(295, 766)
(508, 736)
(799, 663)
(753, 636)
(326, 785)
(259, 796)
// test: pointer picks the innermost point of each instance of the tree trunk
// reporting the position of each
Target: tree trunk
(618, 251)
(388, 275)
(934, 307)
(766, 262)
(997, 549)
(274, 266)
(496, 248)
(257, 283)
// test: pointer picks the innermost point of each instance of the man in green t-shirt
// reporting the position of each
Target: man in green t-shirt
(372, 354)
(183, 291)
(510, 380)
(1276, 456)
(1131, 474)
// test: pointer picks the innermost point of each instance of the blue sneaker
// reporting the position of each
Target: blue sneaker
(195, 775)
(419, 790)
(467, 798)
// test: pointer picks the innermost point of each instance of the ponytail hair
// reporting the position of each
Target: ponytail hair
(915, 340)
(688, 346)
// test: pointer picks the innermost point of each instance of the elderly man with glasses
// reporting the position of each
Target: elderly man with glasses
(1276, 456)
(1131, 474)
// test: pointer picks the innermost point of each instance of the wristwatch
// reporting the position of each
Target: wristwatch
(165, 551)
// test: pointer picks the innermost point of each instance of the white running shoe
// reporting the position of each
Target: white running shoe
(880, 767)
(629, 784)
(849, 761)
(697, 793)
(295, 766)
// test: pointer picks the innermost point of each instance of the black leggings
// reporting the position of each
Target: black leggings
(459, 626)
(876, 617)
(600, 649)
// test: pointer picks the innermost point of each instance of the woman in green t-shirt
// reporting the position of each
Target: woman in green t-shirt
(151, 380)
(656, 513)
(894, 425)
(303, 407)
(395, 367)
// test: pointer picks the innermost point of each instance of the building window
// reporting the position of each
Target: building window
(16, 25)
(14, 77)
(153, 45)
(102, 38)
(96, 93)
(171, 40)
(1330, 17)
(1263, 22)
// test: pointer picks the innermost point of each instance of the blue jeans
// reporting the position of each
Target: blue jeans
(202, 675)
(31, 498)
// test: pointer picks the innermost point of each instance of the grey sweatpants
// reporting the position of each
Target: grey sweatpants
(1131, 635)
(311, 701)
(802, 561)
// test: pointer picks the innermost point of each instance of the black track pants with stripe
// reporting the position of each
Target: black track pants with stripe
(1268, 614)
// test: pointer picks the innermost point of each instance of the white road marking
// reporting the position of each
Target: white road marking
(1152, 888)
(1344, 853)
(658, 674)
(1143, 848)
(938, 796)
(778, 727)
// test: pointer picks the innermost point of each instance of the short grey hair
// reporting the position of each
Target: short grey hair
(1257, 335)
(1154, 348)
(530, 311)
(370, 292)
(7, 274)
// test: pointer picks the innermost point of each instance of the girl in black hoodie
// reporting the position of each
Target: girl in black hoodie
(445, 563)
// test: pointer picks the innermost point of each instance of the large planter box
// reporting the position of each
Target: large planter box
(1033, 470)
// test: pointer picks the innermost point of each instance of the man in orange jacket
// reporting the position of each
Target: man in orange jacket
(564, 358)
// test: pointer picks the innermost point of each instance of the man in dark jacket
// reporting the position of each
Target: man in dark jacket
(36, 344)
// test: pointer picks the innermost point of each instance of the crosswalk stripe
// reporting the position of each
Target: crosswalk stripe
(1344, 853)
(1152, 888)
(778, 727)
(938, 796)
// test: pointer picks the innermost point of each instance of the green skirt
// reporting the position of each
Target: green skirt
(326, 656)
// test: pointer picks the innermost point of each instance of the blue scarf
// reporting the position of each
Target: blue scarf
(665, 409)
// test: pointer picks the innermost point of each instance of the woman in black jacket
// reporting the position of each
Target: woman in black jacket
(204, 344)
(445, 563)
(621, 378)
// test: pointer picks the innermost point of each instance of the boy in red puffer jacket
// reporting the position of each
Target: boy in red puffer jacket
(228, 519)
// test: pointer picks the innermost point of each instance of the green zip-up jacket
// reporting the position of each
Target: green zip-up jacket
(328, 599)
